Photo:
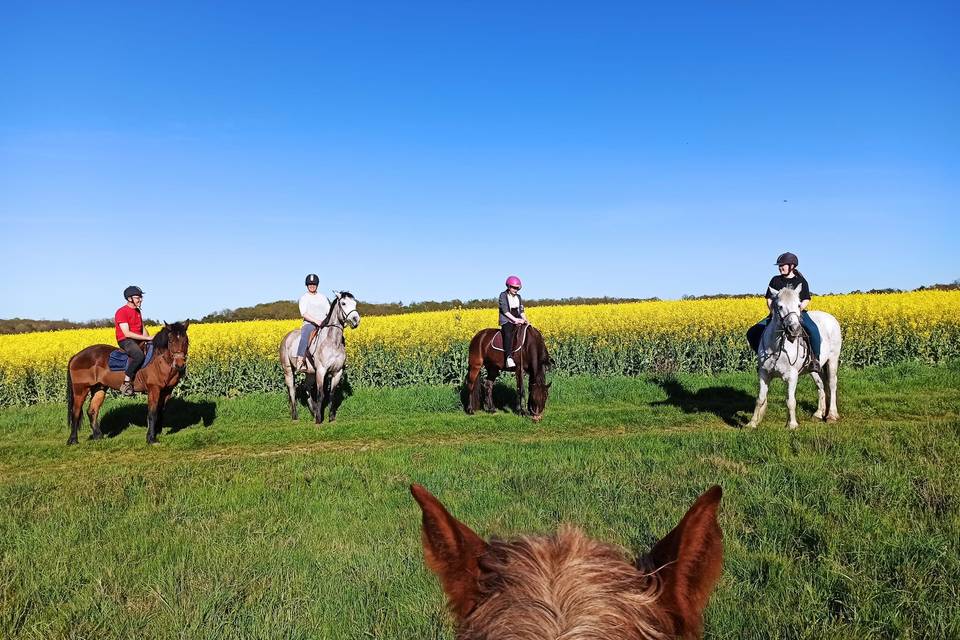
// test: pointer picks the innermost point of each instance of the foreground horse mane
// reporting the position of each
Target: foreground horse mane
(566, 585)
(570, 586)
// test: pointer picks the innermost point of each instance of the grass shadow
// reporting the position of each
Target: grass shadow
(504, 395)
(178, 414)
(306, 385)
(724, 402)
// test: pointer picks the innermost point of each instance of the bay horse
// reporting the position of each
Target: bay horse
(531, 357)
(568, 585)
(326, 357)
(784, 354)
(88, 372)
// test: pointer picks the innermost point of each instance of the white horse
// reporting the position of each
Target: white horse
(326, 356)
(782, 354)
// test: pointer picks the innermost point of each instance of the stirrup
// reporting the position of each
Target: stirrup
(127, 389)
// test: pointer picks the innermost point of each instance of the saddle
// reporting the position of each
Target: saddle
(119, 359)
(518, 340)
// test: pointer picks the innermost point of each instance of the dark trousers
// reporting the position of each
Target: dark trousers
(135, 356)
(755, 333)
(508, 331)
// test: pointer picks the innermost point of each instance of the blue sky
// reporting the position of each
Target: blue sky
(412, 151)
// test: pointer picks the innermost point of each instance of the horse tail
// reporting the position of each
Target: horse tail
(69, 396)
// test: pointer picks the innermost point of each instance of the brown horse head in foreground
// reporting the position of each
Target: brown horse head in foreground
(88, 372)
(568, 586)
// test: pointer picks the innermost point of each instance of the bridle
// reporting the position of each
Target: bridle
(781, 337)
(335, 318)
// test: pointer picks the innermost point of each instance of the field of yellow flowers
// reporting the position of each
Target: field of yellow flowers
(703, 336)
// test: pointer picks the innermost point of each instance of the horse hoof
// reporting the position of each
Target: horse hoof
(751, 425)
(96, 436)
(818, 416)
(71, 441)
(833, 418)
(792, 427)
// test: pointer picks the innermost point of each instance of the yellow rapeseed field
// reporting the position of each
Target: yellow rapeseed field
(629, 338)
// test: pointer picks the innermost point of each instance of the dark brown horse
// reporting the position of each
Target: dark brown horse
(568, 585)
(530, 354)
(88, 372)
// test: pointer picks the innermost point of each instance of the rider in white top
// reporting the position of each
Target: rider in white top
(314, 308)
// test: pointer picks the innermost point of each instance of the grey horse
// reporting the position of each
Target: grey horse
(782, 354)
(326, 357)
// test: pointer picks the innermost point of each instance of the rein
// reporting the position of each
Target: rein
(337, 323)
(781, 340)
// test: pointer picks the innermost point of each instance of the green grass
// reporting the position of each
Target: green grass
(257, 527)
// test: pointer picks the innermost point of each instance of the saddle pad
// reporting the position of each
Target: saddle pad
(518, 340)
(119, 358)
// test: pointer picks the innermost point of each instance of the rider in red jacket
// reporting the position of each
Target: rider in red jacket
(131, 333)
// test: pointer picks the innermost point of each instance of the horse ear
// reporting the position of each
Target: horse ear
(186, 324)
(773, 291)
(165, 325)
(452, 551)
(689, 559)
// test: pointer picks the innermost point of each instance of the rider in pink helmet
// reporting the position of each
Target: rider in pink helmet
(511, 315)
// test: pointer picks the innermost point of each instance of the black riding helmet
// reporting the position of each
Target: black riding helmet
(131, 291)
(312, 279)
(787, 258)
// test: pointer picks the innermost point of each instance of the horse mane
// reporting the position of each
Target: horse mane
(162, 339)
(564, 585)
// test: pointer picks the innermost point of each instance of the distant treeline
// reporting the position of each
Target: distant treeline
(287, 309)
(25, 325)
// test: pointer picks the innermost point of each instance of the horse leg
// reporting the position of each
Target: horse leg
(321, 382)
(153, 402)
(78, 397)
(289, 379)
(831, 373)
(93, 412)
(791, 381)
(521, 410)
(488, 383)
(334, 385)
(161, 407)
(821, 397)
(761, 407)
(473, 395)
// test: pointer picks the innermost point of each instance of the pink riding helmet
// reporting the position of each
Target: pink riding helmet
(514, 281)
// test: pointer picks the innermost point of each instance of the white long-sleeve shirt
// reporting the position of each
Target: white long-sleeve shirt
(314, 305)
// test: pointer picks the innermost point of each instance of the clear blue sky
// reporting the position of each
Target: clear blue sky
(215, 153)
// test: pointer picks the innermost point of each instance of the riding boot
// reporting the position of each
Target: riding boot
(127, 388)
(301, 364)
(815, 365)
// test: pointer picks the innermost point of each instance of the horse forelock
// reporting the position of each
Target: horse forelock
(563, 586)
(789, 295)
(162, 339)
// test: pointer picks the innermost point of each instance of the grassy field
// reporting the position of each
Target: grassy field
(241, 524)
